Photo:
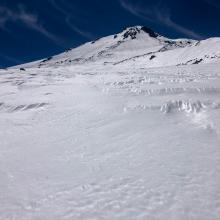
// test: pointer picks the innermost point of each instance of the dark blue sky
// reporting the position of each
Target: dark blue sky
(33, 29)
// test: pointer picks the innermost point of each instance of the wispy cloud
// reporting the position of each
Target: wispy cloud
(30, 20)
(69, 17)
(158, 14)
(11, 59)
(214, 3)
(136, 10)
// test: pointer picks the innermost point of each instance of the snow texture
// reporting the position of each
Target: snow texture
(91, 140)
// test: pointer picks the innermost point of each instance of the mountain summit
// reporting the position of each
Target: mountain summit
(137, 45)
(132, 32)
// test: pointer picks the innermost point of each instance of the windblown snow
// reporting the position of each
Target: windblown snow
(125, 127)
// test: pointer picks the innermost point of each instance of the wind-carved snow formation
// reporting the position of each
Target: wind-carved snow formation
(125, 127)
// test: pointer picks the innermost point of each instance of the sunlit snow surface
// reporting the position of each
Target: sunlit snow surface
(87, 143)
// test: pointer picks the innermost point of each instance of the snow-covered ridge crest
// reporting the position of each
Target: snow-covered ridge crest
(136, 45)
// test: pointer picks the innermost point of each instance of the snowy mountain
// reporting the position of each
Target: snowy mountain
(123, 128)
(138, 45)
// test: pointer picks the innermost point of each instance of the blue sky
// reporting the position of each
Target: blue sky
(34, 29)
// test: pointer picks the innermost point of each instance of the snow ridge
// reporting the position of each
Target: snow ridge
(136, 44)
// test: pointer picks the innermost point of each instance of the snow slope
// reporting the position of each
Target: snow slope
(137, 45)
(124, 142)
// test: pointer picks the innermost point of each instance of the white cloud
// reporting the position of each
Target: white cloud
(28, 19)
(10, 59)
(157, 14)
(214, 3)
(68, 19)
